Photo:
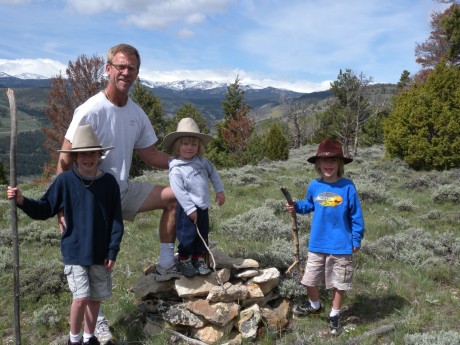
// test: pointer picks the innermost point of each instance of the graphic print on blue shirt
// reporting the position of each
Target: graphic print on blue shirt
(328, 199)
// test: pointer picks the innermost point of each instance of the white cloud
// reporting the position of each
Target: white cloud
(148, 14)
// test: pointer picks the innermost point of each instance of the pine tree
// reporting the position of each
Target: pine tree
(153, 108)
(276, 144)
(234, 132)
(187, 110)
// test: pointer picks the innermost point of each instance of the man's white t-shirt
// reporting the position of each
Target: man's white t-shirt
(126, 128)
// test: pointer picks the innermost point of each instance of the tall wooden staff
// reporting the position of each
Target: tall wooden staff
(295, 230)
(14, 215)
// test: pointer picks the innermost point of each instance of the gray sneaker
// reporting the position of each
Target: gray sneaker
(102, 332)
(165, 274)
(201, 267)
(187, 268)
(334, 325)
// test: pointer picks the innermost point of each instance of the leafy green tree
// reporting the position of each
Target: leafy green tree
(277, 144)
(443, 42)
(424, 127)
(345, 119)
(154, 110)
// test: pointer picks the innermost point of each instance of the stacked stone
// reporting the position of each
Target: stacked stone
(239, 301)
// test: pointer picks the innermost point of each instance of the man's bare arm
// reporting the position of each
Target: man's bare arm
(64, 161)
(153, 157)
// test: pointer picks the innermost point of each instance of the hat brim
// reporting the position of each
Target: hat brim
(87, 149)
(170, 138)
(346, 160)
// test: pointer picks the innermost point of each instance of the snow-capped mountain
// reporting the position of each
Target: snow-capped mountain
(30, 76)
(182, 85)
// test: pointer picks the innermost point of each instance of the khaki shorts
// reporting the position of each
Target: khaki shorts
(133, 198)
(92, 281)
(333, 271)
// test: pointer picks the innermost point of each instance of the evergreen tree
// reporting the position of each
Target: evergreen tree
(234, 132)
(187, 110)
(153, 108)
(404, 82)
(424, 127)
(276, 144)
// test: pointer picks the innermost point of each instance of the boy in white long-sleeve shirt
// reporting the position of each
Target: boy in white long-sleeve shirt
(189, 173)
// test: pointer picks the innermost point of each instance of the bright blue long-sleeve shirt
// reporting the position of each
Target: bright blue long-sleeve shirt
(94, 225)
(337, 223)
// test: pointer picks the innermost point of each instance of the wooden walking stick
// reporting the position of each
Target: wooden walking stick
(295, 230)
(14, 215)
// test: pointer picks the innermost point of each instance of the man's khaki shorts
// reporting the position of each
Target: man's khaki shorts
(133, 198)
(333, 271)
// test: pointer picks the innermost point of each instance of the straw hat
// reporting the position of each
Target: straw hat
(330, 148)
(186, 127)
(85, 140)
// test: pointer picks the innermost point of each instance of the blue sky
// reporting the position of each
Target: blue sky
(299, 45)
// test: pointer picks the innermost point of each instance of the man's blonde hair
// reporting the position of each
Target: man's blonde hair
(126, 49)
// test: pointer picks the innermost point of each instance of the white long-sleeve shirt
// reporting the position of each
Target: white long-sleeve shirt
(189, 180)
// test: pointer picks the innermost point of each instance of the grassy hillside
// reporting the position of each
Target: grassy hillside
(406, 276)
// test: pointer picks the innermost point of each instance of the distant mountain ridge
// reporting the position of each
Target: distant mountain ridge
(206, 96)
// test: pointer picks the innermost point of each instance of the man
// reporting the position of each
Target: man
(115, 118)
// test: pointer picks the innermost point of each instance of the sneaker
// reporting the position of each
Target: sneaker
(201, 267)
(334, 325)
(305, 310)
(102, 333)
(92, 341)
(165, 274)
(187, 268)
(74, 343)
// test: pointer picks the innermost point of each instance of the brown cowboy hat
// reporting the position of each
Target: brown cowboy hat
(186, 127)
(85, 140)
(330, 148)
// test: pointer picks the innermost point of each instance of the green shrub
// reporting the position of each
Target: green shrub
(447, 193)
(256, 224)
(46, 316)
(433, 338)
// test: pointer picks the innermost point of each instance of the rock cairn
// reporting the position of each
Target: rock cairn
(238, 302)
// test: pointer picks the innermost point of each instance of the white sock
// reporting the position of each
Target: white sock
(86, 336)
(166, 255)
(334, 312)
(316, 304)
(100, 316)
(74, 338)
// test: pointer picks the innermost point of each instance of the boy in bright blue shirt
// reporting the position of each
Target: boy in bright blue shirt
(336, 231)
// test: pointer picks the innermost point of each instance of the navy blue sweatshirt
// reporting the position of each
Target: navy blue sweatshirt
(92, 214)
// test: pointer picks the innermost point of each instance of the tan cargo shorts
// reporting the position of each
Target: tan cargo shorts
(333, 271)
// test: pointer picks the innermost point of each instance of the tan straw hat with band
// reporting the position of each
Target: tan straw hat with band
(85, 140)
(186, 127)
